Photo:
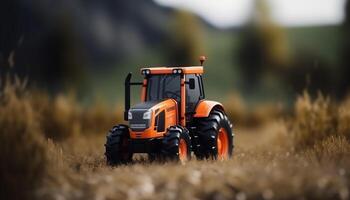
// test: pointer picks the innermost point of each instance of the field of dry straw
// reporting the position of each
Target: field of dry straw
(52, 148)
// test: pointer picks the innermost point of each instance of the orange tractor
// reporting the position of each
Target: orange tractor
(173, 119)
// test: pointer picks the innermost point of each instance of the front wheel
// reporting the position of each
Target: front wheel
(176, 144)
(117, 146)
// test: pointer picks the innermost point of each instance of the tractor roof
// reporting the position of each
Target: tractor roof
(173, 70)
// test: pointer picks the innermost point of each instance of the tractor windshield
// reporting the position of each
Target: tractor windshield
(165, 86)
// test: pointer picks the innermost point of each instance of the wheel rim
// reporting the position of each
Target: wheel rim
(182, 150)
(222, 144)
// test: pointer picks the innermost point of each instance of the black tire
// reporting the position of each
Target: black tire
(207, 132)
(171, 142)
(117, 151)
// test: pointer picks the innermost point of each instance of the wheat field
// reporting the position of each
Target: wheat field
(52, 148)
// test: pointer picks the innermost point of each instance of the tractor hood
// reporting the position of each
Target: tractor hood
(142, 115)
(145, 105)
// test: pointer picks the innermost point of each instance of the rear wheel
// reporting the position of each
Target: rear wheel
(176, 144)
(215, 136)
(117, 146)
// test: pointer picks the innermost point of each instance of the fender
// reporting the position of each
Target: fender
(204, 108)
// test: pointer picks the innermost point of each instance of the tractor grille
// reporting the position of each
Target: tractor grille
(137, 123)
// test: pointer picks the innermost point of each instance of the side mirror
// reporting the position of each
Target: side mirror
(191, 83)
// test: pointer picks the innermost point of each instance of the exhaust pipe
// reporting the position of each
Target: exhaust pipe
(127, 85)
(127, 96)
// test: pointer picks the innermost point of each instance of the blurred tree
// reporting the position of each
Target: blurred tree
(41, 45)
(57, 62)
(264, 46)
(344, 81)
(309, 71)
(185, 43)
(10, 34)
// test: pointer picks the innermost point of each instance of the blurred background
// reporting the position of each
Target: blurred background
(73, 56)
(261, 51)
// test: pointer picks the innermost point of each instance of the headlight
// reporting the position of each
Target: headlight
(146, 72)
(147, 114)
(129, 115)
(177, 71)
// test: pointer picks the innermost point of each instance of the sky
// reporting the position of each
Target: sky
(231, 13)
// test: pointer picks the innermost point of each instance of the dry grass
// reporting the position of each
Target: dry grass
(256, 172)
(59, 117)
(63, 117)
(303, 157)
(344, 118)
(23, 155)
(28, 123)
(248, 116)
(315, 120)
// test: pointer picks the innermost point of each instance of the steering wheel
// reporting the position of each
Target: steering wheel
(172, 95)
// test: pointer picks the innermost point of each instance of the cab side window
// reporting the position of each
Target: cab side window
(193, 95)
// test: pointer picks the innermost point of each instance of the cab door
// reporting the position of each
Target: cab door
(194, 94)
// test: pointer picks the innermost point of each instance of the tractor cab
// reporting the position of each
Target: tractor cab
(184, 85)
(168, 86)
(177, 89)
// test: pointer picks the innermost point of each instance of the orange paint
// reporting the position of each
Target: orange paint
(204, 108)
(183, 102)
(222, 144)
(143, 90)
(170, 120)
(169, 70)
(183, 150)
